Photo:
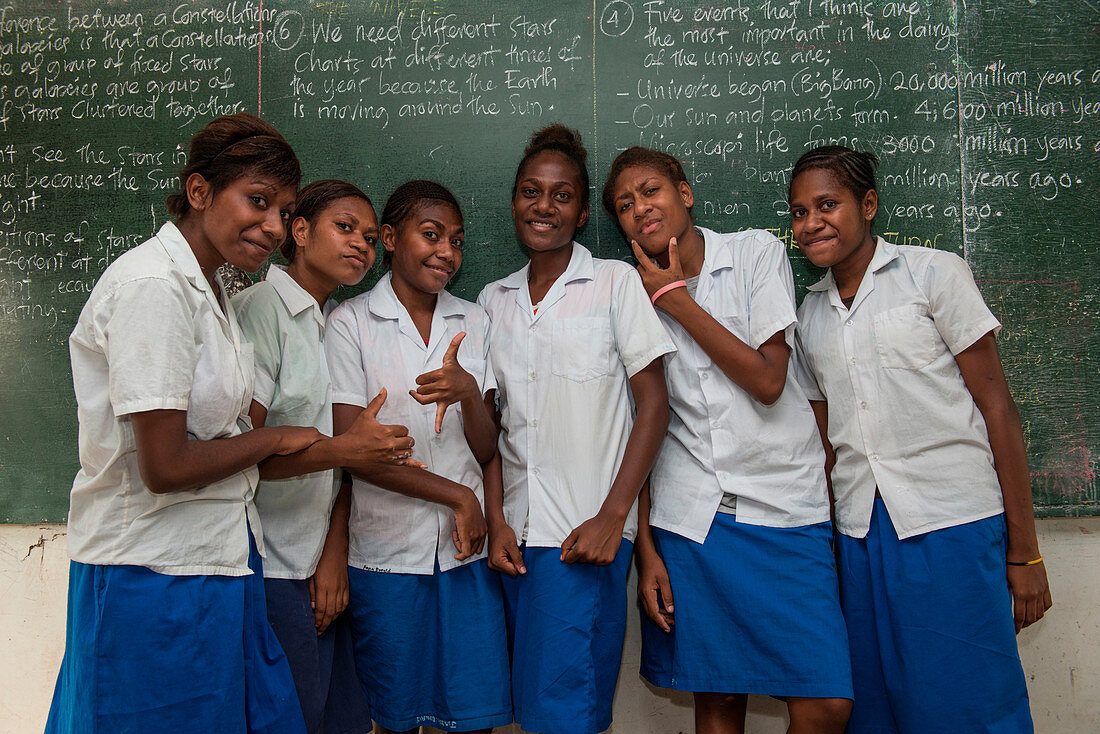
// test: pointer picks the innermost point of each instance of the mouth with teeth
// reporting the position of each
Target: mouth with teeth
(541, 226)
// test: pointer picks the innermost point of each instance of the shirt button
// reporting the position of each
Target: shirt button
(874, 457)
(863, 404)
(852, 360)
(534, 423)
(534, 375)
(849, 322)
(535, 471)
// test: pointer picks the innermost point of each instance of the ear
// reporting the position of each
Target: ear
(870, 205)
(685, 194)
(299, 229)
(388, 235)
(583, 218)
(198, 190)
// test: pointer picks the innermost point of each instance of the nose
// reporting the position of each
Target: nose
(445, 252)
(812, 221)
(545, 203)
(273, 225)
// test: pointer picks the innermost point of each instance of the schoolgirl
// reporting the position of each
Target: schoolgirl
(426, 611)
(331, 242)
(167, 629)
(929, 472)
(573, 338)
(738, 525)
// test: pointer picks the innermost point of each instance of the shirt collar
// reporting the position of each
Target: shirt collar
(295, 297)
(384, 303)
(885, 253)
(176, 247)
(717, 254)
(580, 267)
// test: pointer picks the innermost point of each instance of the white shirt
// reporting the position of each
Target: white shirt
(153, 336)
(721, 439)
(563, 389)
(286, 327)
(900, 416)
(372, 343)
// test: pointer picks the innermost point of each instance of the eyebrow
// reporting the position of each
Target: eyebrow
(532, 179)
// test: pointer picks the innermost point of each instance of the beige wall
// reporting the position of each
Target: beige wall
(1061, 654)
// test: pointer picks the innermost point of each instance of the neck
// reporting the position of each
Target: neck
(206, 254)
(548, 266)
(311, 282)
(849, 272)
(692, 251)
(418, 303)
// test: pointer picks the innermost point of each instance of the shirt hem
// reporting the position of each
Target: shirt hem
(640, 363)
(158, 403)
(921, 530)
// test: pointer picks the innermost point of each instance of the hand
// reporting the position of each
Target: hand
(470, 528)
(1030, 594)
(654, 277)
(328, 586)
(654, 588)
(293, 439)
(595, 541)
(447, 385)
(504, 552)
(368, 444)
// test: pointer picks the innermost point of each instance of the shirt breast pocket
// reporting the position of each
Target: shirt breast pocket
(581, 349)
(906, 338)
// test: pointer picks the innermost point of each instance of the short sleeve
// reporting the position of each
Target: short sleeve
(488, 379)
(639, 335)
(803, 375)
(771, 297)
(149, 342)
(955, 304)
(344, 353)
(258, 317)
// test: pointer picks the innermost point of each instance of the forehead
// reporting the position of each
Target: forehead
(439, 211)
(636, 175)
(551, 165)
(352, 205)
(814, 182)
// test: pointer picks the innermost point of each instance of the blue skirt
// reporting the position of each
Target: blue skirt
(146, 652)
(431, 650)
(323, 666)
(756, 611)
(931, 631)
(566, 626)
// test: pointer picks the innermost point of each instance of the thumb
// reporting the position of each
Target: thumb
(375, 405)
(439, 411)
(673, 254)
(666, 595)
(452, 351)
(567, 545)
(644, 263)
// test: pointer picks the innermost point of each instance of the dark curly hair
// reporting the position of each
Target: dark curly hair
(638, 157)
(314, 199)
(854, 169)
(409, 198)
(564, 140)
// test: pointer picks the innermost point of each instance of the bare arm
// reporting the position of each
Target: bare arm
(654, 588)
(425, 485)
(597, 539)
(328, 586)
(821, 415)
(760, 372)
(980, 365)
(171, 462)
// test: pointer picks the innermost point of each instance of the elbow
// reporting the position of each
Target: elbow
(768, 392)
(486, 453)
(160, 482)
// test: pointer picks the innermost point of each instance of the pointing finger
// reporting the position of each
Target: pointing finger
(375, 405)
(452, 351)
(439, 411)
(644, 263)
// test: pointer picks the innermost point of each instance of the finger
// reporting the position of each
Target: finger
(343, 600)
(479, 545)
(452, 351)
(1019, 613)
(422, 399)
(312, 593)
(414, 463)
(515, 557)
(375, 405)
(674, 255)
(567, 545)
(403, 444)
(503, 564)
(666, 594)
(644, 263)
(429, 377)
(397, 430)
(653, 609)
(439, 411)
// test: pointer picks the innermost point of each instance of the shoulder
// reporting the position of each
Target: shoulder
(149, 260)
(261, 296)
(926, 263)
(492, 293)
(351, 309)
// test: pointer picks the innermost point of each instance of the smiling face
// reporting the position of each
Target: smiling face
(832, 226)
(651, 209)
(338, 247)
(426, 247)
(241, 224)
(546, 208)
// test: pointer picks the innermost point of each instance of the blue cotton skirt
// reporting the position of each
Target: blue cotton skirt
(566, 626)
(323, 666)
(756, 610)
(431, 650)
(931, 630)
(146, 653)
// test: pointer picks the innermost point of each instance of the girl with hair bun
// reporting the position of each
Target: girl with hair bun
(936, 549)
(573, 343)
(167, 630)
(331, 242)
(426, 613)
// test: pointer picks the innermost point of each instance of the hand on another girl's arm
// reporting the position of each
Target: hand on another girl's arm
(364, 445)
(654, 588)
(980, 365)
(414, 481)
(171, 462)
(597, 539)
(761, 372)
(328, 587)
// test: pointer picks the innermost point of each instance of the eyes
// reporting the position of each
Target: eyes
(801, 212)
(648, 192)
(529, 192)
(432, 235)
(260, 202)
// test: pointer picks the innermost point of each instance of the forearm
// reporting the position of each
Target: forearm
(479, 429)
(492, 472)
(1010, 460)
(419, 484)
(341, 514)
(757, 373)
(643, 544)
(646, 435)
(321, 456)
(194, 464)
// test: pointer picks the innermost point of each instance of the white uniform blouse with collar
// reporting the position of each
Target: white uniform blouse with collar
(286, 327)
(372, 343)
(153, 336)
(721, 439)
(901, 419)
(563, 389)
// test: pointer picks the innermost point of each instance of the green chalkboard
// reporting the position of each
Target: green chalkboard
(984, 116)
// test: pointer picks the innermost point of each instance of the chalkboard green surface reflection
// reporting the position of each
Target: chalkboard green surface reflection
(984, 116)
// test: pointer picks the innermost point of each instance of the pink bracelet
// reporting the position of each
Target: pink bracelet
(666, 288)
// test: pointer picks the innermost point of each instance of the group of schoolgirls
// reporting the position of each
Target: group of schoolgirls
(447, 495)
